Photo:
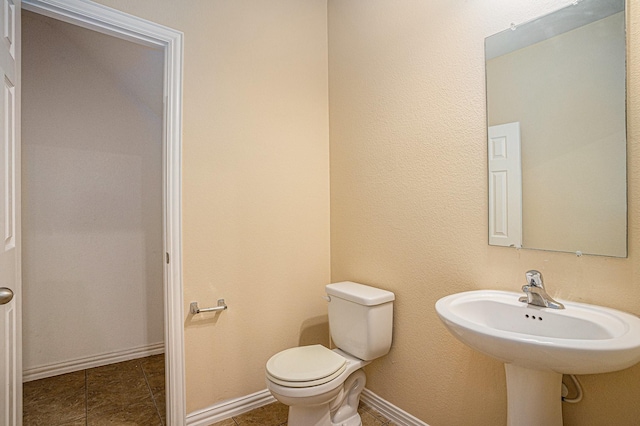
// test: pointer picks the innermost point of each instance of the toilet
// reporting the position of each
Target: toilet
(321, 386)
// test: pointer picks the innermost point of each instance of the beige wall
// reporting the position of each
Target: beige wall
(408, 193)
(573, 133)
(255, 176)
(409, 202)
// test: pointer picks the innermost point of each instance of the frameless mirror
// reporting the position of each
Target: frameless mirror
(557, 131)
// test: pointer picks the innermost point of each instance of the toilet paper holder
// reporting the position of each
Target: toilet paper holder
(196, 310)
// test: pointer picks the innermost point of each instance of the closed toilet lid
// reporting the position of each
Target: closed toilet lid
(305, 366)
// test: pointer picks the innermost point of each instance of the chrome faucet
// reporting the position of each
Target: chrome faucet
(536, 294)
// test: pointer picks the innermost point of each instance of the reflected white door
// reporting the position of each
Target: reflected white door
(505, 185)
(10, 281)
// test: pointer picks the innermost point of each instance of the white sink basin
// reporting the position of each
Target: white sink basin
(580, 339)
(538, 345)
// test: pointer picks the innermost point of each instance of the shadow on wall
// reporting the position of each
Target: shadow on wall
(315, 331)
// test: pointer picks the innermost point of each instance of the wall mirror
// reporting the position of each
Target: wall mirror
(556, 111)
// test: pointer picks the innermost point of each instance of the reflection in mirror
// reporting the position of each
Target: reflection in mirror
(557, 131)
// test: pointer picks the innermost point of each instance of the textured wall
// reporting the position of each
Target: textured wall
(255, 183)
(409, 202)
(92, 203)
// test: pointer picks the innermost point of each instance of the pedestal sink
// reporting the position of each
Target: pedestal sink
(538, 345)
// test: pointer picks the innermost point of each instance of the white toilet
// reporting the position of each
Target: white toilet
(321, 386)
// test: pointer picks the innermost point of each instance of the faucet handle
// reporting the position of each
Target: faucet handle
(534, 278)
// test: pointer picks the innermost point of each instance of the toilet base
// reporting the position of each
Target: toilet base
(355, 420)
(313, 416)
(344, 411)
(338, 407)
(319, 416)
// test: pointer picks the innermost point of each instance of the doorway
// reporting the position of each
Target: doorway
(169, 43)
(92, 201)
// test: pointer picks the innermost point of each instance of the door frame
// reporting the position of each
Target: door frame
(115, 23)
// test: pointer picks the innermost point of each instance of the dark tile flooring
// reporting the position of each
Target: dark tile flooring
(126, 393)
(276, 415)
(130, 393)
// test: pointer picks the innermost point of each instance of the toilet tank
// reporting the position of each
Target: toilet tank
(360, 319)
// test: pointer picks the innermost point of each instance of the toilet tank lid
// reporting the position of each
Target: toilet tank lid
(359, 293)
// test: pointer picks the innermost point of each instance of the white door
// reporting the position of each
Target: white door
(505, 185)
(10, 281)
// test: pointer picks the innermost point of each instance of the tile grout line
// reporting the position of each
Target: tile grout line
(86, 398)
(153, 397)
(54, 388)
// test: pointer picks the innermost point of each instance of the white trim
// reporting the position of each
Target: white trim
(230, 408)
(237, 406)
(106, 20)
(109, 21)
(99, 360)
(390, 411)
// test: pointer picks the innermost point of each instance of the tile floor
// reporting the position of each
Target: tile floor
(127, 393)
(130, 393)
(276, 415)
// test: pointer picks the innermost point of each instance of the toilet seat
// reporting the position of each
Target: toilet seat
(305, 366)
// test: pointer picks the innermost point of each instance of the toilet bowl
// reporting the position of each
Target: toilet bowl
(321, 386)
(323, 399)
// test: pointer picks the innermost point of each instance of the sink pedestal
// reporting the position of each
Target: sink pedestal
(533, 397)
(533, 342)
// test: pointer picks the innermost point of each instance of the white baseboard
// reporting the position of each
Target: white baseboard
(235, 407)
(230, 408)
(43, 371)
(390, 411)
